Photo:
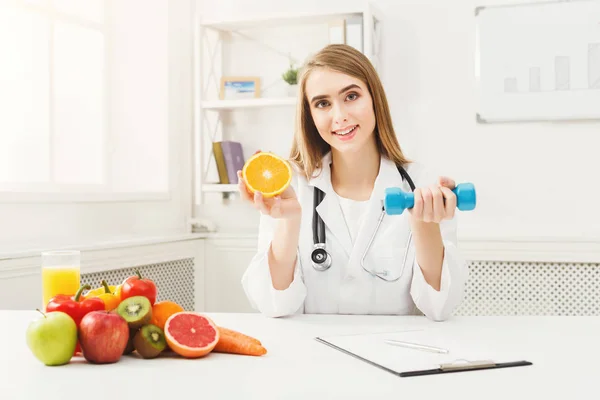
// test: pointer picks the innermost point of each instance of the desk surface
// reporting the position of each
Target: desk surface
(565, 352)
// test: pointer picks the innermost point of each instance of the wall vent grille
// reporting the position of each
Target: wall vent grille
(175, 280)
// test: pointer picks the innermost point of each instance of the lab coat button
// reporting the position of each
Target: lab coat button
(349, 278)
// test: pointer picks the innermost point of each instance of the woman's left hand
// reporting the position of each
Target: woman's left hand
(435, 203)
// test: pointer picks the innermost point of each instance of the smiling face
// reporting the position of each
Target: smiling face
(341, 90)
(341, 108)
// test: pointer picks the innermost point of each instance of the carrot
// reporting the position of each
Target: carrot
(228, 331)
(237, 343)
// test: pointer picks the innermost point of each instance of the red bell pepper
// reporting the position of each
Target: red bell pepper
(137, 286)
(76, 309)
(71, 305)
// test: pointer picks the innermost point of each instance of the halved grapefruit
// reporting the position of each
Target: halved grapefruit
(191, 334)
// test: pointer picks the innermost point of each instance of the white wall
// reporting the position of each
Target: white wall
(158, 101)
(534, 180)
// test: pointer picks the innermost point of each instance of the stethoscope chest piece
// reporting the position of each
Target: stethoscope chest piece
(321, 260)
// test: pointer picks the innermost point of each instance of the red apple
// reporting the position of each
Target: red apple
(103, 336)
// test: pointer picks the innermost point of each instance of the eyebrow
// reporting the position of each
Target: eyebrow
(324, 96)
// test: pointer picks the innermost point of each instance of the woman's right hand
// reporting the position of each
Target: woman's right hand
(284, 206)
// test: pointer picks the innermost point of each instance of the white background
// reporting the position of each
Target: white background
(535, 181)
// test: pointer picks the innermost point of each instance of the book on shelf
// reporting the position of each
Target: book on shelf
(229, 158)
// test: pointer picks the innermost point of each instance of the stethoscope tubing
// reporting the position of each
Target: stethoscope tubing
(319, 232)
(364, 255)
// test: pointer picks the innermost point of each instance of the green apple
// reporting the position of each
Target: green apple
(52, 338)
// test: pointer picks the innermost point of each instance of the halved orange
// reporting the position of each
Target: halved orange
(267, 173)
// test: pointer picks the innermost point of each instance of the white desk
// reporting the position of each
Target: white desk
(565, 353)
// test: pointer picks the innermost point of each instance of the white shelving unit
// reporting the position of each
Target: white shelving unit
(220, 187)
(209, 59)
(216, 105)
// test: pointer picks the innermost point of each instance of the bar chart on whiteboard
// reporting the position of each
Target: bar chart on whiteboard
(561, 75)
(538, 61)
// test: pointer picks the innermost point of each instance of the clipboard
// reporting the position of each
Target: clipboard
(457, 365)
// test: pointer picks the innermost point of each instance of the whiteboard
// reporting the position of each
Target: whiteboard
(538, 61)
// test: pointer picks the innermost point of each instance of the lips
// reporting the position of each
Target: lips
(346, 134)
(345, 131)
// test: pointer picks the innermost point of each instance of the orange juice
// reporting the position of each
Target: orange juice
(60, 274)
(57, 280)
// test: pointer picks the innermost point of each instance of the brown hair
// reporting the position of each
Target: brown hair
(308, 147)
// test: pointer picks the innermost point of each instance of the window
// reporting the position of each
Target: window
(95, 120)
(83, 99)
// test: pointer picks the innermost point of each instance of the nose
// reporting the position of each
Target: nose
(340, 115)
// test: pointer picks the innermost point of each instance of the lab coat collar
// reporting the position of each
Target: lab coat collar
(388, 176)
(322, 177)
(388, 173)
(329, 209)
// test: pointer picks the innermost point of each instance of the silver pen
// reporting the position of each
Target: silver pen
(416, 346)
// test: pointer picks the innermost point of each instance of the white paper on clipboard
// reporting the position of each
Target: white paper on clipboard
(462, 347)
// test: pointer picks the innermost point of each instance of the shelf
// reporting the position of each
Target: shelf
(215, 26)
(282, 19)
(249, 103)
(220, 187)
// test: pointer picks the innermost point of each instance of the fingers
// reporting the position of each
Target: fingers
(243, 189)
(256, 199)
(447, 182)
(417, 209)
(285, 205)
(422, 209)
(438, 209)
(450, 199)
(433, 204)
(260, 204)
(427, 205)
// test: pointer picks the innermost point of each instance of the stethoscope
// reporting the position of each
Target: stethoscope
(321, 259)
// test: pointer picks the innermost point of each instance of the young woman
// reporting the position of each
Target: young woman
(345, 149)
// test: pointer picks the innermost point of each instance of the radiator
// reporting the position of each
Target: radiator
(174, 280)
(530, 288)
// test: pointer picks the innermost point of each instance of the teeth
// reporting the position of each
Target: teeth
(346, 131)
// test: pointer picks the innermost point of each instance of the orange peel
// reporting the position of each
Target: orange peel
(267, 173)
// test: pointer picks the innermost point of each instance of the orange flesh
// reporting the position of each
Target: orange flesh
(267, 174)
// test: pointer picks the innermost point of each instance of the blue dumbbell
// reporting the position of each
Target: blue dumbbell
(396, 201)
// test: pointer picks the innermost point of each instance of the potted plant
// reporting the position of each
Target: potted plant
(291, 77)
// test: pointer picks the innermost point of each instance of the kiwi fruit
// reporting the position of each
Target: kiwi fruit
(149, 341)
(136, 310)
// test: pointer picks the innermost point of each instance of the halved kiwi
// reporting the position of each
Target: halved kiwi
(149, 341)
(136, 310)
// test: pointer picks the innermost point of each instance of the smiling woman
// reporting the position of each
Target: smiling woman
(342, 93)
(324, 244)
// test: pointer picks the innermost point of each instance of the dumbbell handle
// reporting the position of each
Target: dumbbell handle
(396, 200)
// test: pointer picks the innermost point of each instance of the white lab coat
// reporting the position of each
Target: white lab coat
(345, 288)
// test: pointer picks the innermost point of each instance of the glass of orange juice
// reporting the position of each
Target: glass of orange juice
(61, 271)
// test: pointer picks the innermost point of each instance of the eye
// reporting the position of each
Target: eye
(321, 104)
(352, 96)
